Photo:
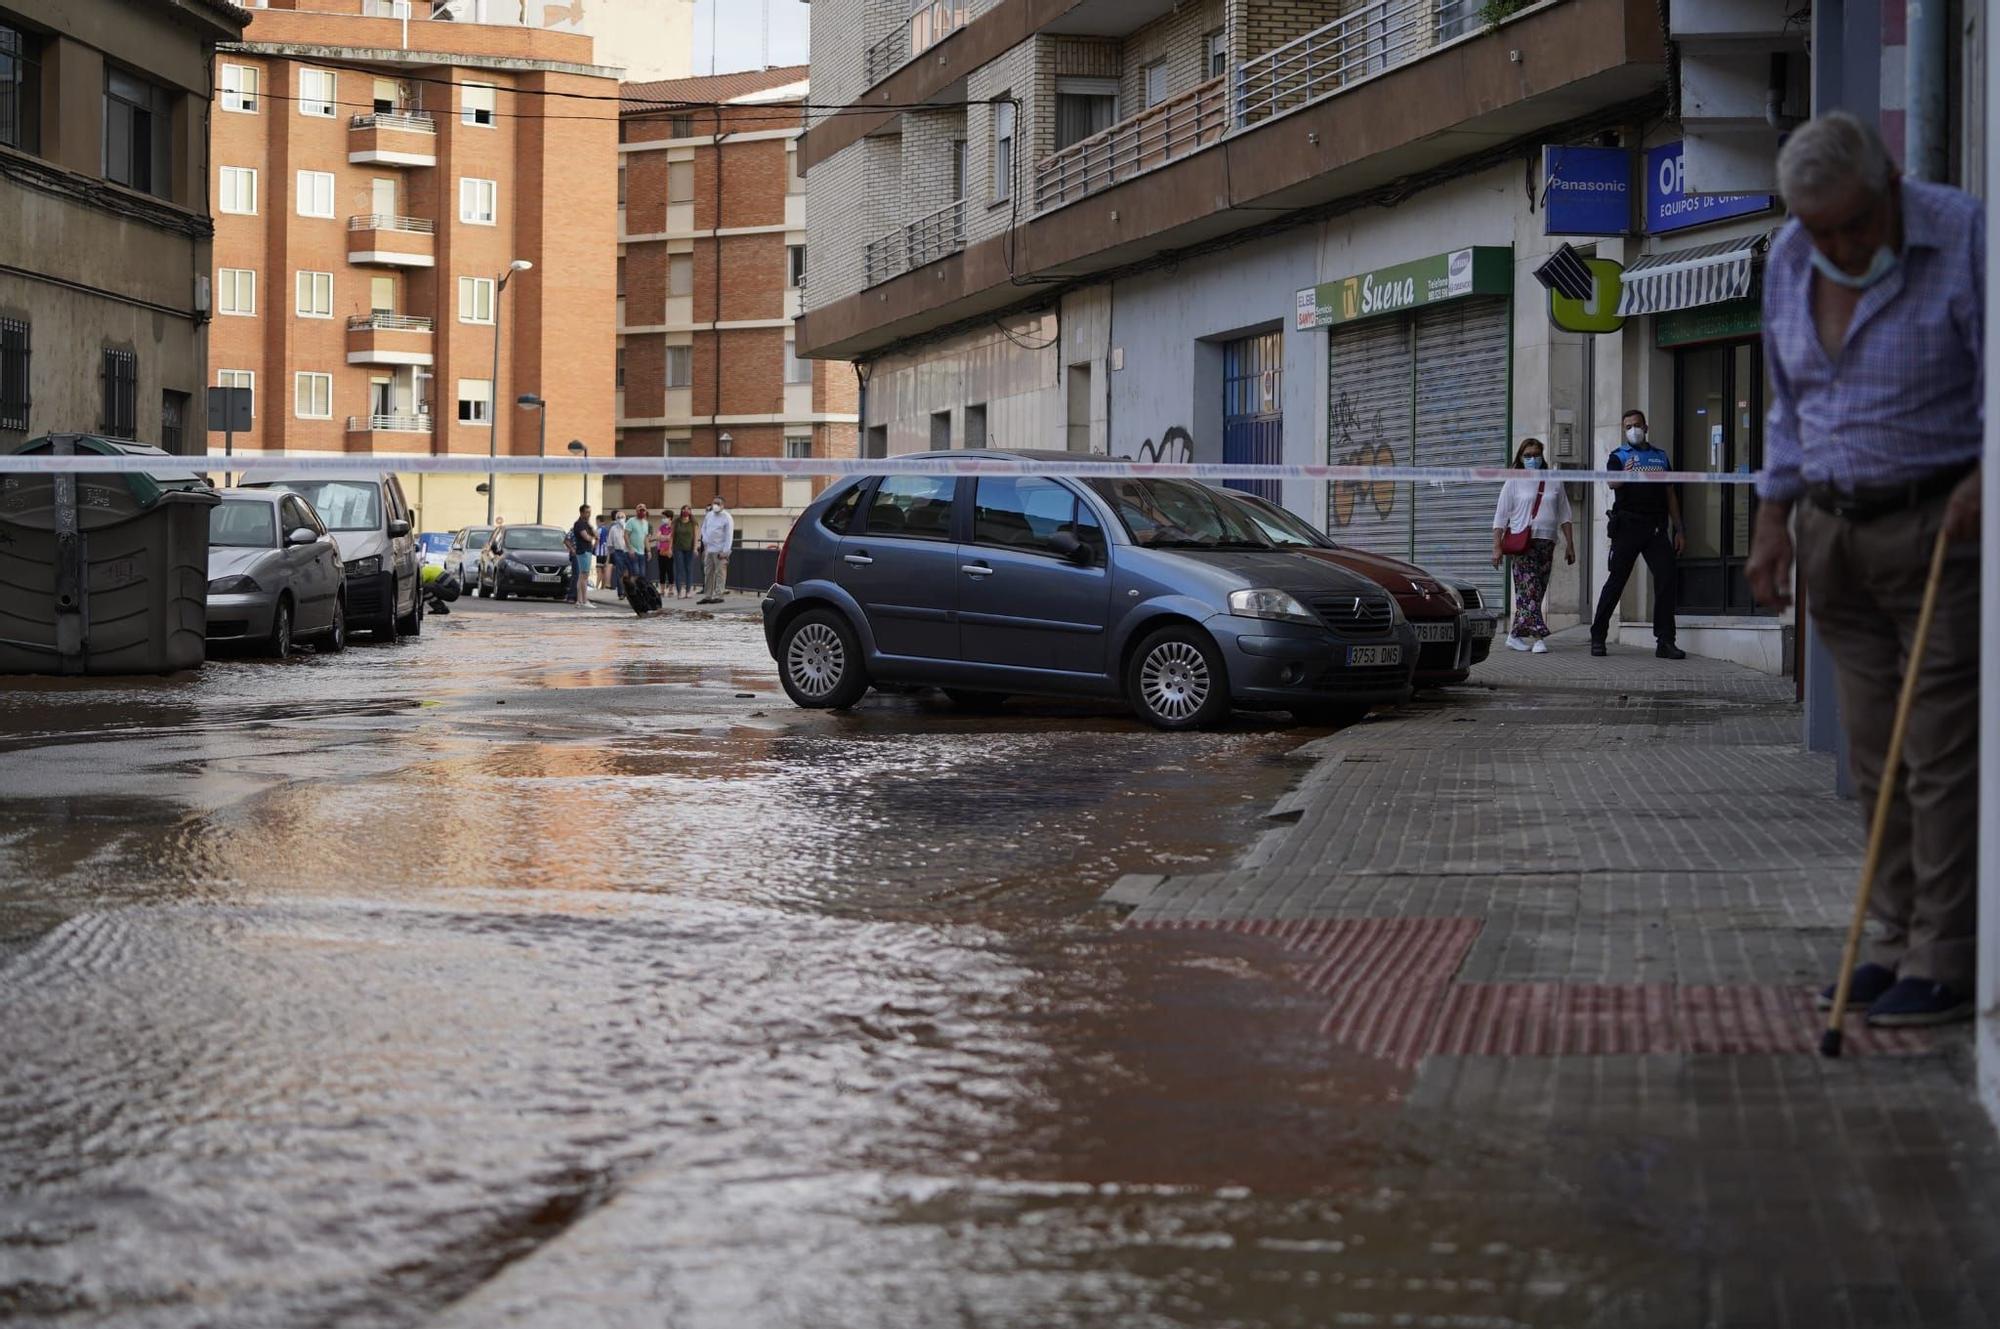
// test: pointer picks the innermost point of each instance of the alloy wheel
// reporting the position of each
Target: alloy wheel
(816, 660)
(1175, 680)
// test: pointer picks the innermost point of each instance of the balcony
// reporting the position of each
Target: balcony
(388, 339)
(931, 23)
(1369, 41)
(399, 138)
(388, 433)
(925, 240)
(391, 242)
(1161, 134)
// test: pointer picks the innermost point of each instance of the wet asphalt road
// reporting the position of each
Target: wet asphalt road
(552, 969)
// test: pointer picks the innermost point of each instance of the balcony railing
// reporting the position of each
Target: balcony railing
(1173, 129)
(382, 221)
(382, 322)
(888, 55)
(1355, 46)
(930, 23)
(389, 424)
(414, 122)
(925, 240)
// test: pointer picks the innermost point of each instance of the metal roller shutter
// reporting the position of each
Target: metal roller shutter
(1368, 423)
(1461, 389)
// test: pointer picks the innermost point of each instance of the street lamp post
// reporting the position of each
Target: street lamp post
(576, 446)
(528, 401)
(493, 388)
(724, 444)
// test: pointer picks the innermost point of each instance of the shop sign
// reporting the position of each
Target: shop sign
(1588, 191)
(1598, 313)
(1716, 322)
(1481, 270)
(1669, 207)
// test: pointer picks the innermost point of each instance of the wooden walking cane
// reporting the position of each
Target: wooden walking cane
(1829, 1043)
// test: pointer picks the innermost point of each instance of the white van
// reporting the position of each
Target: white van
(371, 522)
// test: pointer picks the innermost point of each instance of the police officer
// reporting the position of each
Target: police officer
(1645, 522)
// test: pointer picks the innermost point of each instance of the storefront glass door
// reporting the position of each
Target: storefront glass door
(1719, 428)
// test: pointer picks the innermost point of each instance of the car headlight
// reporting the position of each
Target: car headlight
(514, 565)
(1452, 594)
(364, 567)
(1267, 603)
(234, 586)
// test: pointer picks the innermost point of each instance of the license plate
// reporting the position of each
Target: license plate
(1437, 632)
(1374, 655)
(1482, 627)
(548, 576)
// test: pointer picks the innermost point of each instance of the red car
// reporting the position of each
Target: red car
(1454, 629)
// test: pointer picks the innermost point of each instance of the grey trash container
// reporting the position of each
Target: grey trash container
(103, 574)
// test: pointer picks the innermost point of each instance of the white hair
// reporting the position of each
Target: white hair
(1829, 153)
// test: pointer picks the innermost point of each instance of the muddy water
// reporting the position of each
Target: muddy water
(551, 969)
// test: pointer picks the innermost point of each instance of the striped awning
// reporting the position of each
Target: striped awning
(1684, 278)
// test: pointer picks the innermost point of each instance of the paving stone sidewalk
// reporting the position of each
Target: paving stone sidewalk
(1589, 900)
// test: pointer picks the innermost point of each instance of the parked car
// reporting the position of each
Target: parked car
(432, 547)
(370, 521)
(462, 559)
(1453, 633)
(526, 560)
(1160, 592)
(274, 573)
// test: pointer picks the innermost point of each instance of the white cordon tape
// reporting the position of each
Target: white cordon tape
(323, 463)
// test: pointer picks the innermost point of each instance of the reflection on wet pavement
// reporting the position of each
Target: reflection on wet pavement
(528, 973)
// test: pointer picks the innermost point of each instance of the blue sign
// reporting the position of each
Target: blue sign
(1588, 191)
(1669, 207)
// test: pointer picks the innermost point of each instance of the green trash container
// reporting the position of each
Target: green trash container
(103, 574)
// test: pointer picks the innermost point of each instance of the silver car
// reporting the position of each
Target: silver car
(274, 573)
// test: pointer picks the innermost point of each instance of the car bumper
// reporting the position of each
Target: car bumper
(241, 617)
(1484, 625)
(773, 606)
(525, 583)
(1281, 664)
(370, 597)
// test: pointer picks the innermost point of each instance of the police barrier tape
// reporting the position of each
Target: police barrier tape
(304, 464)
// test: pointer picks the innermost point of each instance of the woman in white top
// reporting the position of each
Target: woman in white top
(1537, 505)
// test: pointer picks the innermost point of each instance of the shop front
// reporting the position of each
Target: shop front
(1718, 427)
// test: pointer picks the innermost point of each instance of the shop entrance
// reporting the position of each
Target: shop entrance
(1719, 428)
(1253, 408)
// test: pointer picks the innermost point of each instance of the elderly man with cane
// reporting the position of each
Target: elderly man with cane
(1874, 346)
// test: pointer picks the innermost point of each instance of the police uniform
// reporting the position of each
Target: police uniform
(1640, 528)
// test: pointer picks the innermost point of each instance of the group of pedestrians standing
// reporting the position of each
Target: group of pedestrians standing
(664, 553)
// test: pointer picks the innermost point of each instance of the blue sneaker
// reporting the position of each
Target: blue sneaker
(1870, 983)
(1919, 1001)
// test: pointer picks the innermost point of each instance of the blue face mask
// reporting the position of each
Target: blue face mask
(1880, 266)
(1532, 463)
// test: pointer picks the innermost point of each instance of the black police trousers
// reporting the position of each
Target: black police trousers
(1634, 537)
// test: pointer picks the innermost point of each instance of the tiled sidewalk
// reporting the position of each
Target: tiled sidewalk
(1591, 899)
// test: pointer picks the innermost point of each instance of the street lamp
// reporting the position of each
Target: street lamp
(528, 401)
(576, 447)
(723, 444)
(493, 388)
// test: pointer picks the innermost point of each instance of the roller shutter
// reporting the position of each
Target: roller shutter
(1369, 402)
(1461, 420)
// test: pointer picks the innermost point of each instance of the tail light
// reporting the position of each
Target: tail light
(784, 553)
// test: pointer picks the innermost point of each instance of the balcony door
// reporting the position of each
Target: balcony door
(1084, 106)
(382, 196)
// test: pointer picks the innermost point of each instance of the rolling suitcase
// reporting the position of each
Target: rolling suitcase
(639, 593)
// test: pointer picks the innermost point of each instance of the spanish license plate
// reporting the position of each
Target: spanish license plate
(548, 576)
(1482, 628)
(1374, 655)
(1437, 632)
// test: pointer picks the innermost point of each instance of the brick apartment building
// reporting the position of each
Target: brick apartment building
(711, 266)
(375, 180)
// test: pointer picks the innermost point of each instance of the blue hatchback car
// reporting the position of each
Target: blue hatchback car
(1160, 592)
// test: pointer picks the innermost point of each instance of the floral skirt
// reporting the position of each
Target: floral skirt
(1531, 583)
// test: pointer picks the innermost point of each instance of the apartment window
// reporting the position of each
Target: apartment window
(1084, 106)
(680, 182)
(239, 378)
(475, 105)
(315, 193)
(1156, 83)
(621, 274)
(312, 396)
(795, 265)
(235, 291)
(680, 274)
(20, 90)
(475, 401)
(315, 295)
(478, 200)
(958, 170)
(239, 190)
(387, 97)
(1003, 150)
(173, 420)
(1218, 53)
(138, 127)
(795, 180)
(618, 369)
(680, 126)
(15, 396)
(475, 299)
(799, 447)
(680, 366)
(796, 370)
(240, 84)
(317, 92)
(121, 394)
(621, 184)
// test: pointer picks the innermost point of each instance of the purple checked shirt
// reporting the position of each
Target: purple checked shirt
(1903, 399)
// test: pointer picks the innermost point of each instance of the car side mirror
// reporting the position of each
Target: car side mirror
(398, 529)
(302, 535)
(1066, 545)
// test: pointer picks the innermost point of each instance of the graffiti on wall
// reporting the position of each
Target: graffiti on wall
(1176, 445)
(1355, 438)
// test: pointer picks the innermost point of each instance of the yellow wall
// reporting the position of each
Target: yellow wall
(447, 502)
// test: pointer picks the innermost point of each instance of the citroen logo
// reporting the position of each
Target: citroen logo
(1420, 589)
(1357, 606)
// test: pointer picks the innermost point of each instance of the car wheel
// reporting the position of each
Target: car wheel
(819, 661)
(412, 624)
(279, 643)
(967, 699)
(389, 627)
(1331, 715)
(1176, 680)
(334, 640)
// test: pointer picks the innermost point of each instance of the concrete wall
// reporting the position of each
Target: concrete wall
(1010, 368)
